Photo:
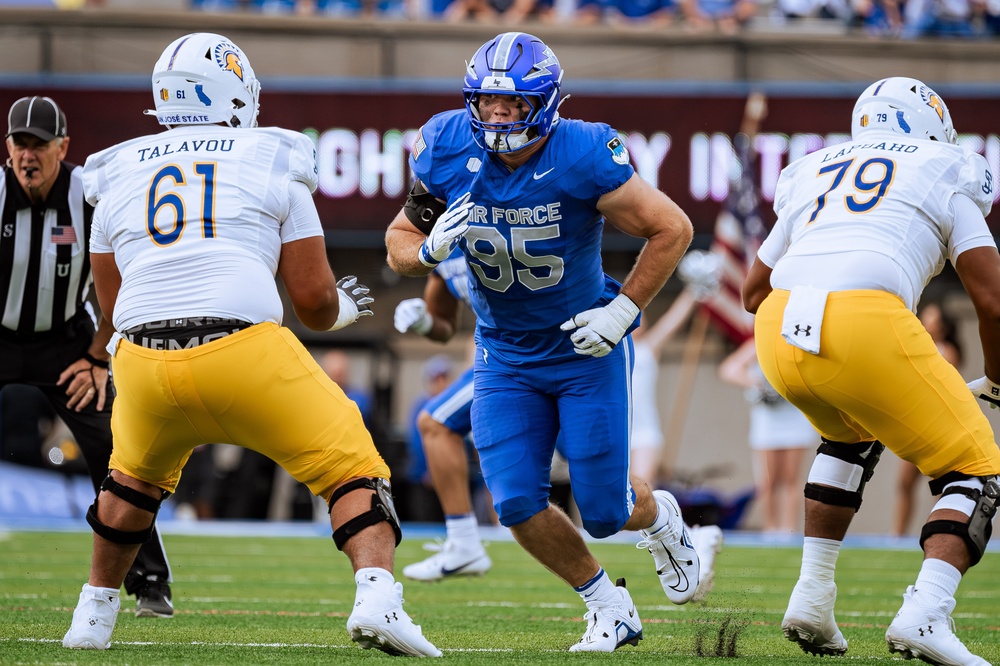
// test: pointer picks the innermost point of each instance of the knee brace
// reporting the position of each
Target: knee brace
(136, 499)
(382, 509)
(976, 497)
(840, 471)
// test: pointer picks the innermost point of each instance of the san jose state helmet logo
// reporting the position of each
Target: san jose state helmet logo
(229, 59)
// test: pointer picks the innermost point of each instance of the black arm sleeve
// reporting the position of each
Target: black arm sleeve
(422, 208)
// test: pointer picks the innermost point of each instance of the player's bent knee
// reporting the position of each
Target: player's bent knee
(382, 510)
(134, 497)
(599, 529)
(428, 427)
(513, 511)
(840, 472)
(976, 497)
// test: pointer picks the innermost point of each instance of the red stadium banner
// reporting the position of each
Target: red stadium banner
(681, 143)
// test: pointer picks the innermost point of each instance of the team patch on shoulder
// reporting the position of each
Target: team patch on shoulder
(419, 145)
(474, 164)
(619, 153)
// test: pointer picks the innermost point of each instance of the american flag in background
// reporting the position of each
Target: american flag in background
(739, 231)
(63, 235)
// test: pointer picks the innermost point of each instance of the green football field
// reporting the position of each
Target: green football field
(285, 601)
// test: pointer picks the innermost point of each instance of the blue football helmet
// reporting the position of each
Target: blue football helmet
(902, 105)
(516, 64)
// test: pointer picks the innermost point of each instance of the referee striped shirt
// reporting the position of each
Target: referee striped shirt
(44, 264)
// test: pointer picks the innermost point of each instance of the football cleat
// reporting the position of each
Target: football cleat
(707, 542)
(449, 561)
(378, 622)
(928, 633)
(93, 619)
(153, 599)
(673, 552)
(809, 619)
(611, 627)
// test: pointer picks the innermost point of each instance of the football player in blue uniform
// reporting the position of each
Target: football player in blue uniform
(525, 195)
(444, 422)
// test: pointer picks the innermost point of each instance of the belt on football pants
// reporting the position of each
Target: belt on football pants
(183, 333)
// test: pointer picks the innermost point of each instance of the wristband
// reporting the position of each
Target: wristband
(97, 363)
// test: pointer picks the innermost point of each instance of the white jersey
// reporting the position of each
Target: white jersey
(196, 217)
(878, 213)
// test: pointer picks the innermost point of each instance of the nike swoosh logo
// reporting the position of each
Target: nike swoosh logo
(539, 176)
(448, 572)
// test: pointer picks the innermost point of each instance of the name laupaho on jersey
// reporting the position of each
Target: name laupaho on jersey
(877, 213)
(196, 217)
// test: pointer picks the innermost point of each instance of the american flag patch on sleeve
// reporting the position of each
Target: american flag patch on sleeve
(63, 235)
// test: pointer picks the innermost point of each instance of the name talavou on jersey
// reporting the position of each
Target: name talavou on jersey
(535, 215)
(193, 145)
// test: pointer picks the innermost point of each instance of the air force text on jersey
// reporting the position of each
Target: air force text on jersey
(516, 216)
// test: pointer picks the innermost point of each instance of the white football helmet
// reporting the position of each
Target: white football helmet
(204, 78)
(903, 106)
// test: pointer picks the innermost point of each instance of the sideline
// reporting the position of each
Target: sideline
(423, 532)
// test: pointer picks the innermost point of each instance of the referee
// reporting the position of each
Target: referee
(47, 331)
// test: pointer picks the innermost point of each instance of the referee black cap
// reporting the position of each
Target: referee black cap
(39, 116)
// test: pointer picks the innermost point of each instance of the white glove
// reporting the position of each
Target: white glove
(601, 329)
(447, 231)
(354, 302)
(411, 315)
(986, 391)
(702, 271)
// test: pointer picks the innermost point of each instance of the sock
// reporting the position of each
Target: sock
(663, 516)
(463, 531)
(599, 591)
(380, 579)
(937, 580)
(819, 559)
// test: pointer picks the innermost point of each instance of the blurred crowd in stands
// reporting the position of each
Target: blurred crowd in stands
(889, 18)
(902, 19)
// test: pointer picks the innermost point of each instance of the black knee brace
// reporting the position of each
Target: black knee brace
(382, 509)
(136, 499)
(831, 482)
(975, 533)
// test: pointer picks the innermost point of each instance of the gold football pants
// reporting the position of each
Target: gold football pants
(258, 388)
(880, 376)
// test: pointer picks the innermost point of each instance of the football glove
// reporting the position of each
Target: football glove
(986, 390)
(600, 329)
(702, 271)
(354, 302)
(447, 231)
(411, 315)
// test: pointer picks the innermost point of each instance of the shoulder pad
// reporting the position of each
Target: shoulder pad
(975, 180)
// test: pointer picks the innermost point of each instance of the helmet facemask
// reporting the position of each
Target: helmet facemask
(521, 66)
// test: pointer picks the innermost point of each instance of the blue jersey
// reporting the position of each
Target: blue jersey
(534, 241)
(454, 272)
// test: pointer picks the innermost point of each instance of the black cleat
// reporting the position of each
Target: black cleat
(153, 599)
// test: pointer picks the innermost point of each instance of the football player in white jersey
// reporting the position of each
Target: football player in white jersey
(190, 227)
(862, 227)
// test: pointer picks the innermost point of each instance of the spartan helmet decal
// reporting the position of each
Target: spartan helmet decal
(904, 106)
(229, 59)
(202, 79)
